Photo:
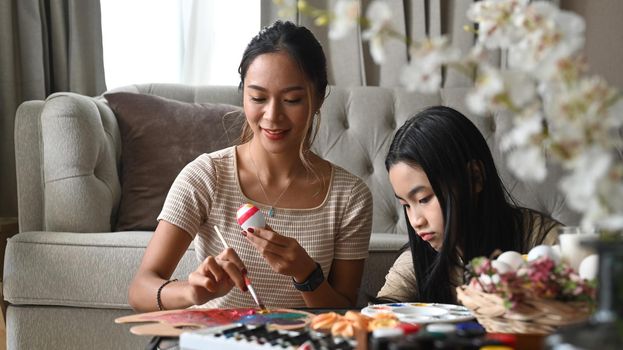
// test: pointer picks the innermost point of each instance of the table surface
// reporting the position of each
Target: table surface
(524, 341)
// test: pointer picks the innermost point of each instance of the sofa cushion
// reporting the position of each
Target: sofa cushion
(91, 270)
(159, 137)
(94, 270)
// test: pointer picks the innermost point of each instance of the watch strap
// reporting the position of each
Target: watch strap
(313, 281)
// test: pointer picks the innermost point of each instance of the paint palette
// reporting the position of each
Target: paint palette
(422, 312)
(172, 323)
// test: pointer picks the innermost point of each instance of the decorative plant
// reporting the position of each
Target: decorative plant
(542, 278)
(559, 112)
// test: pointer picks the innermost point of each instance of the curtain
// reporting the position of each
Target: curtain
(212, 44)
(45, 46)
(350, 63)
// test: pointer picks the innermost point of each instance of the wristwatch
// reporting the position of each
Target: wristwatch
(312, 282)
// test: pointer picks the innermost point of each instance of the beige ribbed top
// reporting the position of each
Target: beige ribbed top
(207, 193)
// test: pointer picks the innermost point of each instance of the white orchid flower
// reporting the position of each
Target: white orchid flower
(550, 35)
(496, 21)
(523, 131)
(488, 85)
(527, 163)
(346, 18)
(379, 17)
(417, 78)
(497, 90)
(423, 73)
(587, 169)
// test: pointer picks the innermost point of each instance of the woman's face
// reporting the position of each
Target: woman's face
(413, 190)
(276, 102)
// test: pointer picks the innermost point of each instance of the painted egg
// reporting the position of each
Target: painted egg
(589, 267)
(501, 267)
(249, 215)
(543, 250)
(511, 258)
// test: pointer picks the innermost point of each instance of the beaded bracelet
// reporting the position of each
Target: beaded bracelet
(160, 307)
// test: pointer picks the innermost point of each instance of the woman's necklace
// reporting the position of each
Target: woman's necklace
(271, 211)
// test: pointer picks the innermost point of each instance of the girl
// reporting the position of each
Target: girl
(319, 216)
(443, 175)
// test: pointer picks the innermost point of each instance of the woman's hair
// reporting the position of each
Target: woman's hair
(301, 45)
(452, 152)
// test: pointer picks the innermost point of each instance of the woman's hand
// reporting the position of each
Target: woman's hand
(284, 254)
(216, 276)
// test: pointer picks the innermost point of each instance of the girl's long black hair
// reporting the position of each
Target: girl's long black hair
(447, 146)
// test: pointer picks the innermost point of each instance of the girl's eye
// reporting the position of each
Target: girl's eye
(257, 99)
(293, 101)
(425, 199)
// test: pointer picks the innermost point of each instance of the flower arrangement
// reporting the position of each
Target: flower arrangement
(542, 278)
(527, 294)
(559, 112)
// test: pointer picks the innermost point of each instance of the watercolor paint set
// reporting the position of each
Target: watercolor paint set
(422, 313)
(251, 337)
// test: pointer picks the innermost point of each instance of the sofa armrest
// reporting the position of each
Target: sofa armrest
(80, 147)
(28, 165)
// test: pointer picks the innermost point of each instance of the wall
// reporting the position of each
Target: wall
(604, 36)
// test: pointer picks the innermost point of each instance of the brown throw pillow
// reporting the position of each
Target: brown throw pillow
(159, 137)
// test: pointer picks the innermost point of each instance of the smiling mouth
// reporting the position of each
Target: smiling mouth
(275, 134)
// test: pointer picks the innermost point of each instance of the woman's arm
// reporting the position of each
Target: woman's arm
(286, 256)
(163, 253)
(341, 287)
(213, 278)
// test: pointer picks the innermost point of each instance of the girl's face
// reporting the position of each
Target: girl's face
(276, 102)
(413, 190)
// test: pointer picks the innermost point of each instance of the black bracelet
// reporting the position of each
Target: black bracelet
(160, 307)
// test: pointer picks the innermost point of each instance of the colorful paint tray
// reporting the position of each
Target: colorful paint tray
(173, 322)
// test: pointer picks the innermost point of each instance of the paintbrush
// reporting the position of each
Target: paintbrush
(247, 280)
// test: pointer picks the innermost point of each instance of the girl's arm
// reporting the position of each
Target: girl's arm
(214, 277)
(400, 283)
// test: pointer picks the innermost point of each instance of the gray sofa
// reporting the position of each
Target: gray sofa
(66, 274)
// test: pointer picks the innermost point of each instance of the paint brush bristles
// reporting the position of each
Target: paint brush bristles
(247, 280)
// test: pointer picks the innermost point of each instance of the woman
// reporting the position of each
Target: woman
(318, 215)
(443, 174)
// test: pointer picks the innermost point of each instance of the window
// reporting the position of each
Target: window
(176, 41)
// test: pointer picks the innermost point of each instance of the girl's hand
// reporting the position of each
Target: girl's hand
(284, 254)
(216, 276)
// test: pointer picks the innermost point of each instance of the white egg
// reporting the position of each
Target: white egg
(512, 259)
(501, 267)
(543, 250)
(589, 267)
(249, 215)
